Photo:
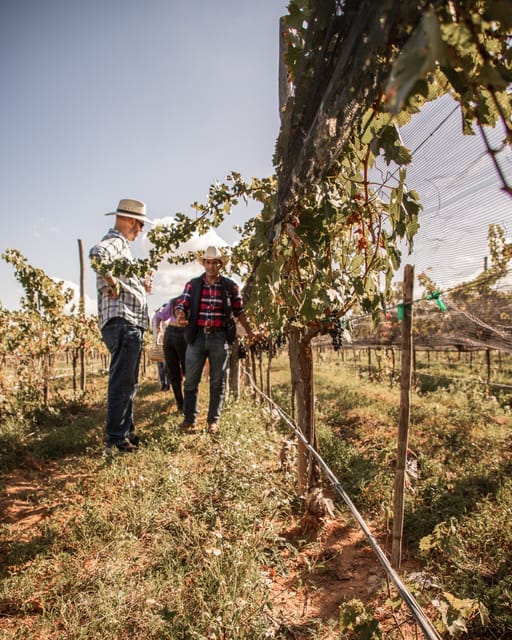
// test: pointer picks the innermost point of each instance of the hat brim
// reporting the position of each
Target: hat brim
(135, 216)
(223, 259)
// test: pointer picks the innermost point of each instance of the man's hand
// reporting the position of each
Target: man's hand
(148, 282)
(181, 318)
(113, 288)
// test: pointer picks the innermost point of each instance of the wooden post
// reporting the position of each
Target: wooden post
(81, 313)
(391, 356)
(268, 389)
(489, 370)
(234, 370)
(284, 85)
(253, 372)
(403, 427)
(260, 371)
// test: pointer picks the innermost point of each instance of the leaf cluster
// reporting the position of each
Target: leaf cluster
(463, 47)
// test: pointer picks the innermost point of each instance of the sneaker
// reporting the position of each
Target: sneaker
(185, 426)
(213, 427)
(126, 446)
(134, 440)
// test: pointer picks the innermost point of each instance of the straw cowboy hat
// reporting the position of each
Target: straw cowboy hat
(129, 208)
(212, 253)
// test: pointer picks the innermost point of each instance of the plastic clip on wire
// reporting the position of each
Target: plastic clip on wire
(400, 310)
(435, 295)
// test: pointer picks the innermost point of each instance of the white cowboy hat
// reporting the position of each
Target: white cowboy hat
(212, 253)
(128, 208)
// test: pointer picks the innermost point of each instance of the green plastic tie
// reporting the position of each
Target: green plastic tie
(435, 295)
(401, 310)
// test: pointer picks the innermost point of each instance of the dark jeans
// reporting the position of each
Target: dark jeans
(215, 348)
(162, 373)
(174, 350)
(124, 341)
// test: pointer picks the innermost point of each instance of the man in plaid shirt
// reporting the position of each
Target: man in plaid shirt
(207, 309)
(123, 318)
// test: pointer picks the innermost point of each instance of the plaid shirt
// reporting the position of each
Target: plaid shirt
(132, 301)
(211, 309)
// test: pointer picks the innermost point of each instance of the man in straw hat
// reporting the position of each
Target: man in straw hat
(207, 308)
(123, 318)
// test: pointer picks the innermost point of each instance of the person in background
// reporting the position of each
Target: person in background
(174, 349)
(123, 318)
(207, 309)
(162, 376)
(158, 339)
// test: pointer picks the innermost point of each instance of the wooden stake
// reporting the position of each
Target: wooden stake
(403, 427)
(81, 311)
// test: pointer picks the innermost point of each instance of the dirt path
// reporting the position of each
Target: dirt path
(335, 567)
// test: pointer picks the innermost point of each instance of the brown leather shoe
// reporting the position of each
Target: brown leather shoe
(186, 426)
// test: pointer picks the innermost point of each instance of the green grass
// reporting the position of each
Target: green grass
(177, 540)
(460, 439)
(170, 542)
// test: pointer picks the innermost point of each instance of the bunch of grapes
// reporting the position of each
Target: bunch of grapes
(280, 340)
(265, 344)
(336, 332)
(259, 345)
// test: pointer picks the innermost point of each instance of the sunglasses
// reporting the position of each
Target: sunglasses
(141, 224)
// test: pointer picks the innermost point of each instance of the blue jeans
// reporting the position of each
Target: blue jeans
(162, 374)
(124, 341)
(215, 348)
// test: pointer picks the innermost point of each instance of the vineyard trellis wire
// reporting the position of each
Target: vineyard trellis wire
(379, 371)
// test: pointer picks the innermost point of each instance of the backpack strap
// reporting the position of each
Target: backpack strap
(196, 286)
(227, 298)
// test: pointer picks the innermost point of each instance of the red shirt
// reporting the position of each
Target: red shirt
(211, 309)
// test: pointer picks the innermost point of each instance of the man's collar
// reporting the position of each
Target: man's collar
(217, 281)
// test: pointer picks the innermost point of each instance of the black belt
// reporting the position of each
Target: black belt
(208, 330)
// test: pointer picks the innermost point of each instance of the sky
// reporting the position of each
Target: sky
(146, 99)
(158, 99)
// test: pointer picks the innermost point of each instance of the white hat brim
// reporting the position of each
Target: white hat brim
(223, 259)
(136, 216)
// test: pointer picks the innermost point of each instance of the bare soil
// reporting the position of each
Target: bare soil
(335, 566)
